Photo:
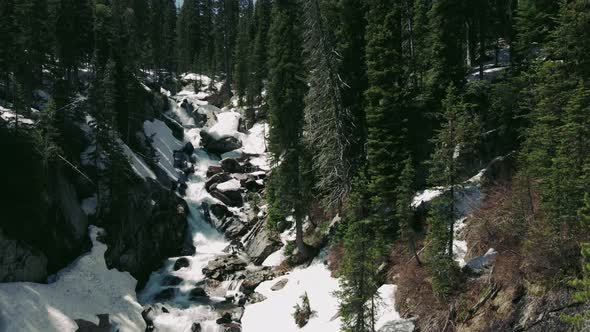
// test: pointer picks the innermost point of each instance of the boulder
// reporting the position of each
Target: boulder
(212, 170)
(216, 179)
(256, 297)
(230, 198)
(249, 168)
(231, 165)
(402, 325)
(233, 228)
(220, 211)
(255, 278)
(234, 246)
(225, 319)
(188, 148)
(197, 294)
(253, 185)
(261, 245)
(235, 315)
(224, 220)
(180, 263)
(279, 285)
(224, 266)
(221, 146)
(483, 262)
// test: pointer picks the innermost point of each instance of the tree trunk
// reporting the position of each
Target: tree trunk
(412, 244)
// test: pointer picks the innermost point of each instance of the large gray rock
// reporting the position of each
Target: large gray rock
(255, 278)
(224, 266)
(483, 262)
(402, 325)
(230, 198)
(216, 179)
(224, 220)
(279, 285)
(220, 146)
(231, 165)
(262, 244)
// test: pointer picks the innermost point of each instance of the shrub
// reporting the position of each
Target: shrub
(303, 311)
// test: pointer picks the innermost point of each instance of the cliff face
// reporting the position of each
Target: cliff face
(44, 221)
(42, 227)
(154, 229)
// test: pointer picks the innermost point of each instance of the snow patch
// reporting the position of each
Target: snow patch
(275, 313)
(426, 196)
(231, 185)
(226, 126)
(83, 290)
(10, 116)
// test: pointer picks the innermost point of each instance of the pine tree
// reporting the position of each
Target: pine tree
(329, 125)
(581, 320)
(570, 41)
(359, 282)
(452, 144)
(9, 32)
(243, 53)
(38, 37)
(534, 21)
(189, 34)
(141, 11)
(565, 180)
(262, 14)
(206, 60)
(553, 150)
(286, 90)
(163, 37)
(350, 39)
(387, 107)
(420, 43)
(446, 24)
(405, 194)
(74, 35)
(227, 24)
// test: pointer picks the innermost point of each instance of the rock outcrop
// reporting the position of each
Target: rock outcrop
(154, 228)
(219, 146)
(20, 262)
(262, 244)
(224, 266)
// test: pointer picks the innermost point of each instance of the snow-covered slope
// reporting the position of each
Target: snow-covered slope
(165, 144)
(81, 291)
(275, 313)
